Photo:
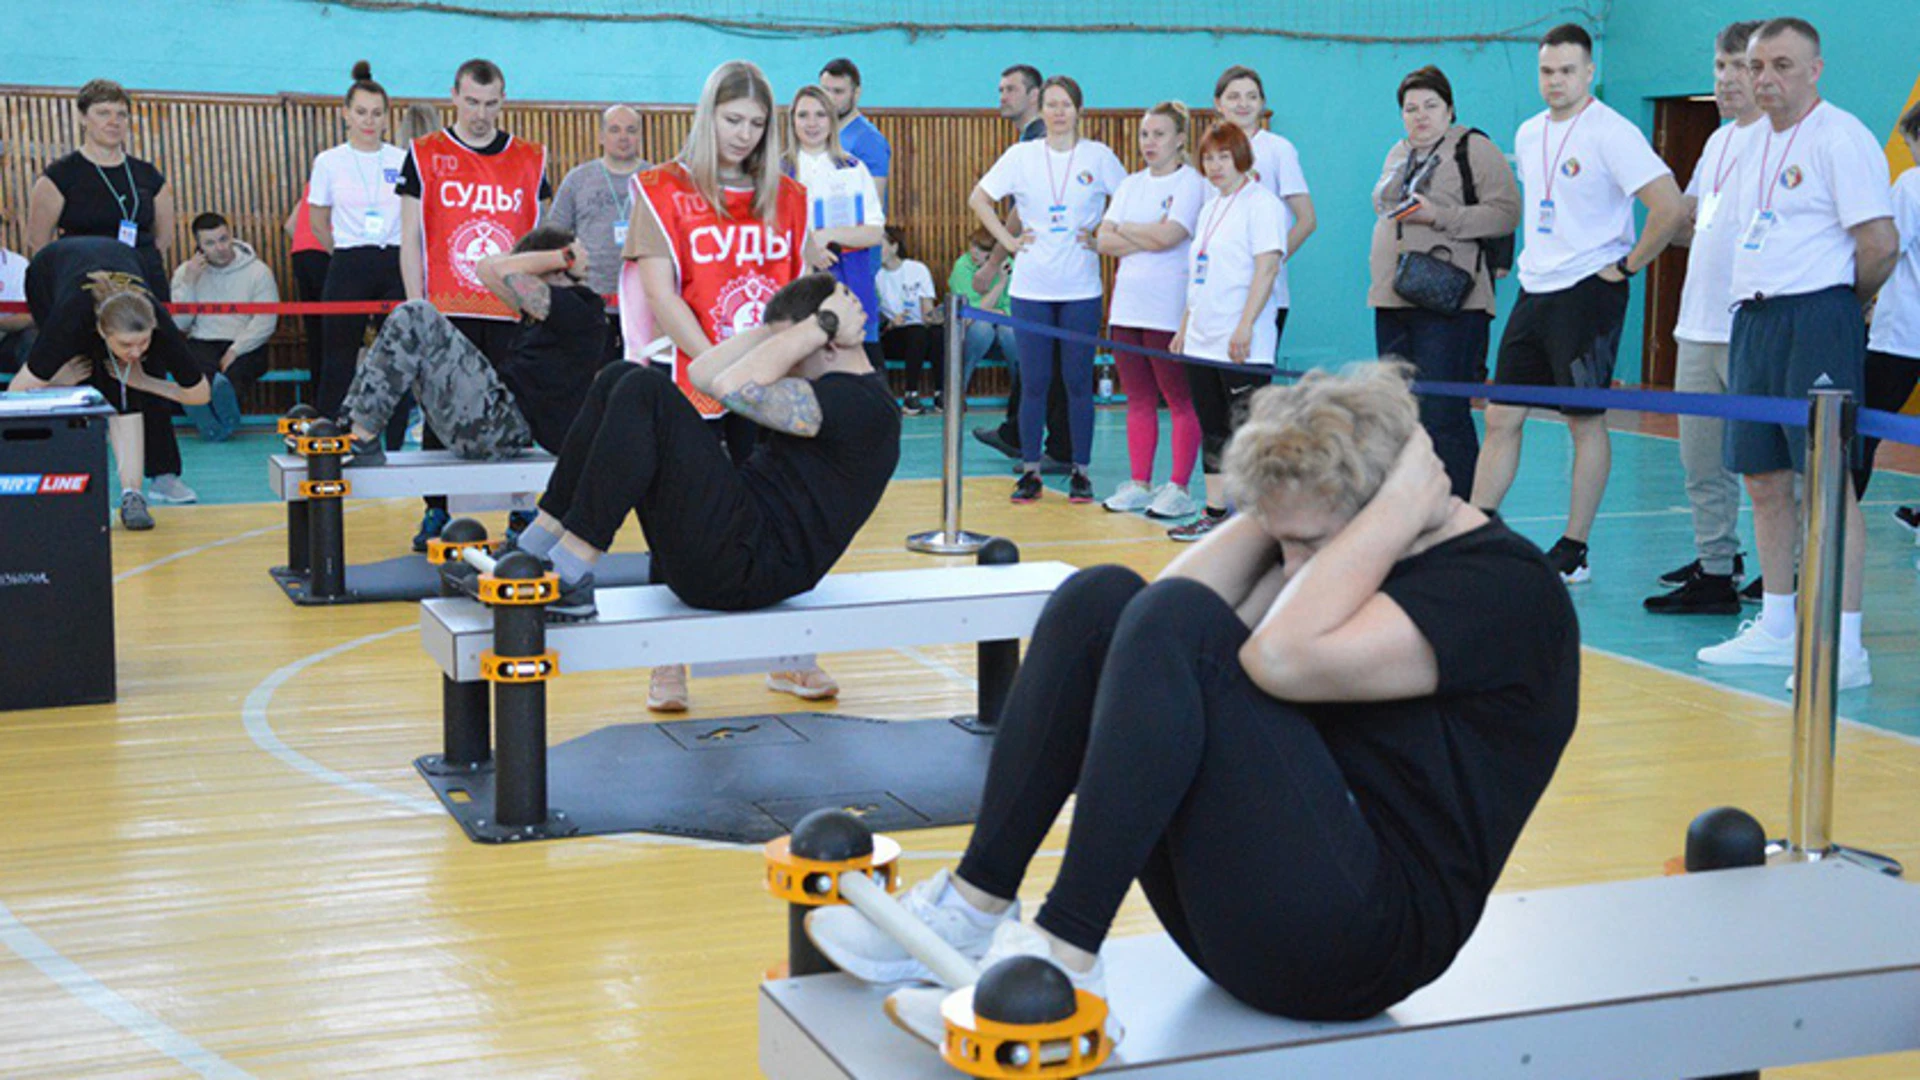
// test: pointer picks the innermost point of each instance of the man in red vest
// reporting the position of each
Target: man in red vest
(466, 193)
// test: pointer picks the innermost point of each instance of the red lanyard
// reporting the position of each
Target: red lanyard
(1720, 170)
(1549, 170)
(1767, 187)
(1060, 192)
(1225, 205)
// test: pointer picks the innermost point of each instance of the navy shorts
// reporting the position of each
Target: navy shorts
(1567, 338)
(1785, 346)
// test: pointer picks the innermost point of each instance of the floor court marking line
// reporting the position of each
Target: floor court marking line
(209, 546)
(952, 673)
(97, 996)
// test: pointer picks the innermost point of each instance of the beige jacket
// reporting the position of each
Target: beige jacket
(1456, 224)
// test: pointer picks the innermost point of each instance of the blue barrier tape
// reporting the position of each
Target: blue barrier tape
(1787, 412)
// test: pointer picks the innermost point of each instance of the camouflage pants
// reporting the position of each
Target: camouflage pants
(465, 402)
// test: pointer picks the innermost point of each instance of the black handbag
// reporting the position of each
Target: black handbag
(1428, 281)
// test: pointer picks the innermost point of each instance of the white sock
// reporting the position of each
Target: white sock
(1776, 614)
(950, 897)
(1850, 634)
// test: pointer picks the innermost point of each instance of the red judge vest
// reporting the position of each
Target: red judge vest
(473, 206)
(728, 269)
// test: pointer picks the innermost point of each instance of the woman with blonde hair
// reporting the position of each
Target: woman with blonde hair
(1148, 227)
(716, 232)
(846, 220)
(101, 326)
(1313, 741)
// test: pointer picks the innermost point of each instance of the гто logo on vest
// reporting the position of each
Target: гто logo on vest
(742, 305)
(476, 239)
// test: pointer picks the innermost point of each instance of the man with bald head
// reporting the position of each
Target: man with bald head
(595, 201)
(1816, 242)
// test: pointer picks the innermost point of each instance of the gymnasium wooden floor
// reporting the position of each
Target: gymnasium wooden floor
(235, 872)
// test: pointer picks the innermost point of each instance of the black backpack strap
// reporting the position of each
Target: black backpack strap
(1462, 157)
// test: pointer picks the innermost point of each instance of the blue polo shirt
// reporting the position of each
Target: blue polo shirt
(864, 141)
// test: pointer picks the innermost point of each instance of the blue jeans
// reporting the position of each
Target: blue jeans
(1037, 353)
(981, 337)
(1441, 348)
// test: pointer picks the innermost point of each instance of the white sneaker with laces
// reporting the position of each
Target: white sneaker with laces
(171, 490)
(916, 1010)
(1171, 501)
(1856, 672)
(862, 950)
(1751, 645)
(1132, 496)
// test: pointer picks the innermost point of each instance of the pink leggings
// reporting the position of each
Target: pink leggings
(1139, 377)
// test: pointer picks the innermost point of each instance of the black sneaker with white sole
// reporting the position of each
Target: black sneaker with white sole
(1908, 516)
(1707, 594)
(1569, 558)
(1673, 579)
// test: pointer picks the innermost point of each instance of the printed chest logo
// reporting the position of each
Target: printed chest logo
(1791, 177)
(1085, 178)
(476, 239)
(391, 176)
(1166, 204)
(446, 163)
(1571, 168)
(742, 304)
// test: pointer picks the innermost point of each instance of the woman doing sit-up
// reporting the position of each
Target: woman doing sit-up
(726, 538)
(1313, 741)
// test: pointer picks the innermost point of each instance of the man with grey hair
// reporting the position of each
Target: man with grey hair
(595, 200)
(1706, 585)
(1817, 241)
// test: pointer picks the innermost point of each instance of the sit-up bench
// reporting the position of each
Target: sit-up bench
(1689, 976)
(599, 779)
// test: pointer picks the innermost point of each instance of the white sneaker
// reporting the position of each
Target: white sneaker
(170, 489)
(860, 949)
(1855, 672)
(1751, 645)
(1171, 501)
(1133, 495)
(916, 1010)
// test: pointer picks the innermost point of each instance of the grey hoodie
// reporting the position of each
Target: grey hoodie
(244, 280)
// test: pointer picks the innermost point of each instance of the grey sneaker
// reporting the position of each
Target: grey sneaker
(1171, 502)
(1133, 495)
(134, 514)
(169, 489)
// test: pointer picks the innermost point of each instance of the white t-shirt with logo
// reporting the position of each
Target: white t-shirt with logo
(901, 290)
(1706, 300)
(1149, 289)
(1276, 165)
(1588, 167)
(1811, 183)
(1230, 233)
(1059, 194)
(359, 189)
(1896, 316)
(838, 195)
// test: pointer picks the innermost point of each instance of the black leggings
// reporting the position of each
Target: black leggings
(914, 345)
(1890, 382)
(1220, 401)
(362, 273)
(1224, 803)
(639, 446)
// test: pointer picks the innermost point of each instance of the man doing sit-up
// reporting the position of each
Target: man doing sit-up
(725, 538)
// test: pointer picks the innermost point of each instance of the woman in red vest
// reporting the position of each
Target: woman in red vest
(715, 233)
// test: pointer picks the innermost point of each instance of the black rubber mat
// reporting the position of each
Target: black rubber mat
(744, 779)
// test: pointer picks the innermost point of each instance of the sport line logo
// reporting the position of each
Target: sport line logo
(43, 483)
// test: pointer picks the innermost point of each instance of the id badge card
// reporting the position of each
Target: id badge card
(130, 233)
(375, 224)
(620, 233)
(1057, 218)
(1704, 213)
(1757, 232)
(1544, 222)
(1200, 269)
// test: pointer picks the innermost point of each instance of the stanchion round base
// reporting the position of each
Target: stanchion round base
(438, 765)
(1779, 851)
(940, 543)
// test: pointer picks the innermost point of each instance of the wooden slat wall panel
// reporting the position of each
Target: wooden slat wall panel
(247, 157)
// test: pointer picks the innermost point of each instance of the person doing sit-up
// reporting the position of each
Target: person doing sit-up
(725, 538)
(1313, 741)
(484, 412)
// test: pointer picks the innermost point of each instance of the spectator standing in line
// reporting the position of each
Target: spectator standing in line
(595, 203)
(1241, 98)
(16, 331)
(845, 219)
(230, 349)
(1893, 341)
(841, 80)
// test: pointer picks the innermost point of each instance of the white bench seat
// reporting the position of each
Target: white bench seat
(644, 626)
(1655, 979)
(423, 472)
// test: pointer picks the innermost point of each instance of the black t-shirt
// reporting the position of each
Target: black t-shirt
(553, 361)
(62, 309)
(409, 185)
(816, 493)
(98, 197)
(1448, 781)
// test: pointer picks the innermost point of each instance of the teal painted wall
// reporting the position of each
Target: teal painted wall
(1335, 101)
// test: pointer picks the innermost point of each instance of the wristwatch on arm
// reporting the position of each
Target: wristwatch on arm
(829, 322)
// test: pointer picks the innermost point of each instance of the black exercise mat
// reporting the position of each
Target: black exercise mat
(744, 779)
(412, 577)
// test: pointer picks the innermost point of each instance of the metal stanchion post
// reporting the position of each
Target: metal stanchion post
(1817, 652)
(950, 538)
(324, 446)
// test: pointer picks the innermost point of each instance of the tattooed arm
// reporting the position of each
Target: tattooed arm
(788, 405)
(518, 279)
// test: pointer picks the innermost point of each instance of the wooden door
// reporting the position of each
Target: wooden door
(1681, 127)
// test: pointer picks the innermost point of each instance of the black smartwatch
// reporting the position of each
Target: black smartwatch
(829, 322)
(1622, 267)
